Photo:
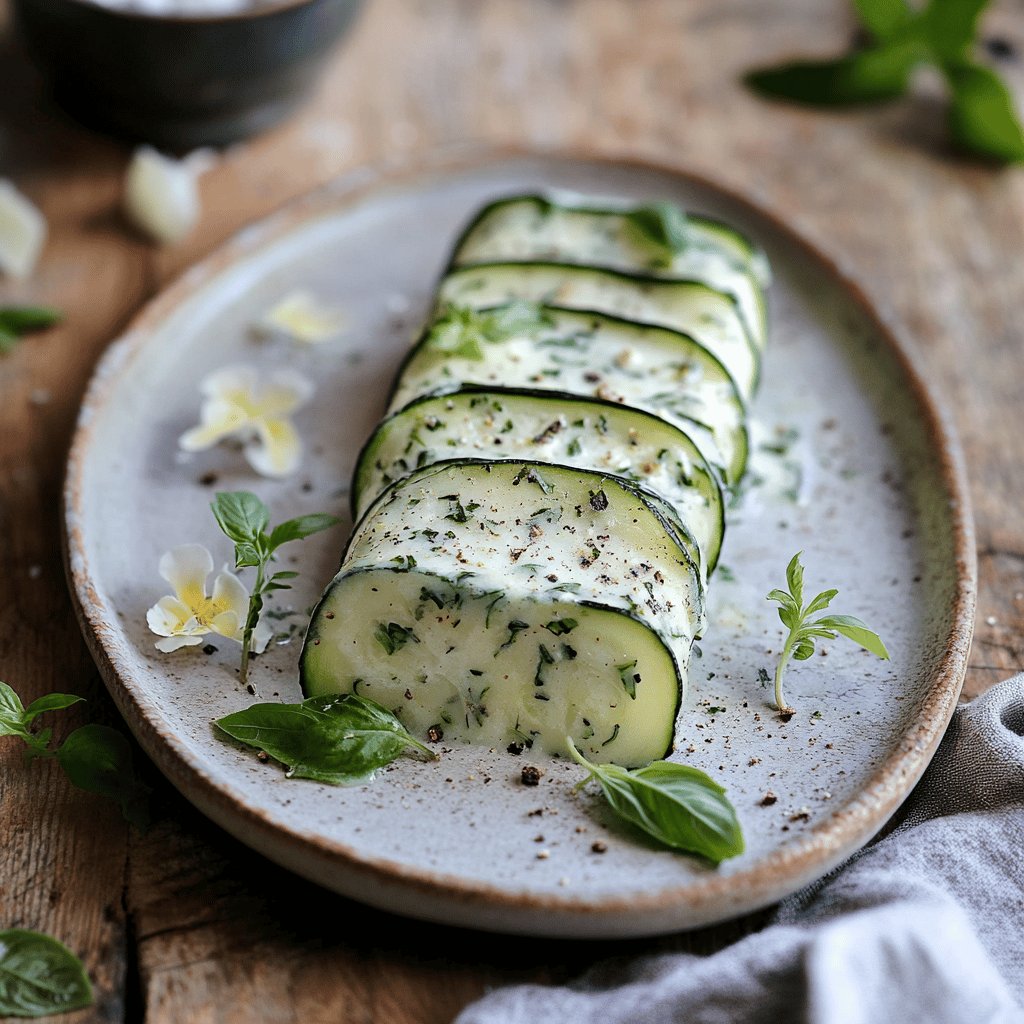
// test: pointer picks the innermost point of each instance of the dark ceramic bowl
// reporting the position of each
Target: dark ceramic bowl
(182, 82)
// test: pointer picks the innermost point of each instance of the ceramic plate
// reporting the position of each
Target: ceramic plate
(864, 479)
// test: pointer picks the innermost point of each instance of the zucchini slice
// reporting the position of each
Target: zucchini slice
(514, 602)
(549, 426)
(593, 355)
(710, 316)
(536, 227)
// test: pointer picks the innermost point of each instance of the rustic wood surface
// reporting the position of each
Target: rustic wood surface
(184, 924)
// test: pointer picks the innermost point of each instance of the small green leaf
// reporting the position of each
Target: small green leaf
(853, 629)
(665, 225)
(341, 740)
(823, 600)
(803, 649)
(98, 759)
(51, 702)
(12, 712)
(883, 18)
(881, 73)
(39, 976)
(982, 116)
(19, 320)
(241, 515)
(795, 579)
(950, 27)
(300, 528)
(675, 804)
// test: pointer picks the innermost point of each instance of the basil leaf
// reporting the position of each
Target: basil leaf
(883, 18)
(880, 73)
(675, 804)
(982, 116)
(853, 629)
(39, 976)
(300, 528)
(12, 712)
(342, 740)
(795, 580)
(665, 225)
(98, 759)
(241, 515)
(51, 702)
(823, 600)
(951, 25)
(18, 320)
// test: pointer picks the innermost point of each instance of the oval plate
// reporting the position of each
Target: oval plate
(855, 467)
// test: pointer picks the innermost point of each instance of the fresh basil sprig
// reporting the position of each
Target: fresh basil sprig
(95, 758)
(244, 519)
(342, 740)
(665, 227)
(943, 33)
(675, 804)
(39, 976)
(16, 321)
(462, 332)
(803, 630)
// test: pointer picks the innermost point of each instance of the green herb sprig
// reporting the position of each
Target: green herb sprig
(342, 740)
(39, 976)
(95, 758)
(804, 631)
(245, 520)
(982, 118)
(664, 227)
(462, 332)
(16, 321)
(675, 804)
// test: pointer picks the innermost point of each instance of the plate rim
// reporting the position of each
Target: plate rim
(321, 858)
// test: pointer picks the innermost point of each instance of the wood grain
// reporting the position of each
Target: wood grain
(184, 924)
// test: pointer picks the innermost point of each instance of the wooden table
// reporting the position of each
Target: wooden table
(184, 924)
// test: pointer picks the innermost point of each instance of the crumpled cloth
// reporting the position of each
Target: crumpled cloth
(926, 924)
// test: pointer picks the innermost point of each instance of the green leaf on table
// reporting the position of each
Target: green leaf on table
(665, 226)
(342, 740)
(98, 759)
(950, 26)
(51, 702)
(241, 515)
(39, 976)
(675, 804)
(879, 73)
(12, 712)
(883, 18)
(982, 115)
(22, 319)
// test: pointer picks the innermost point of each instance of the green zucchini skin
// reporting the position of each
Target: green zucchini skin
(549, 426)
(566, 584)
(692, 307)
(536, 227)
(594, 355)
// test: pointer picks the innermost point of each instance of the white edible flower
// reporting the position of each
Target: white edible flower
(22, 232)
(185, 617)
(161, 195)
(237, 403)
(301, 317)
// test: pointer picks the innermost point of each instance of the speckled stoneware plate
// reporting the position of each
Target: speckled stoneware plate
(869, 486)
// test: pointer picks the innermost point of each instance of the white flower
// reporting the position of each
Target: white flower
(186, 617)
(161, 195)
(302, 318)
(236, 403)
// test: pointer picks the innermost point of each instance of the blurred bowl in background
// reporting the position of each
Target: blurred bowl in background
(181, 81)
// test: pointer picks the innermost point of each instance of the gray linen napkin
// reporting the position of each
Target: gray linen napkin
(924, 925)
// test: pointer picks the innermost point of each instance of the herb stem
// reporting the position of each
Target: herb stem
(780, 700)
(255, 606)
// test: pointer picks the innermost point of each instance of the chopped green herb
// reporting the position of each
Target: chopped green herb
(393, 637)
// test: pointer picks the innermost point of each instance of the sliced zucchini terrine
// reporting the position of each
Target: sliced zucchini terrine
(505, 602)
